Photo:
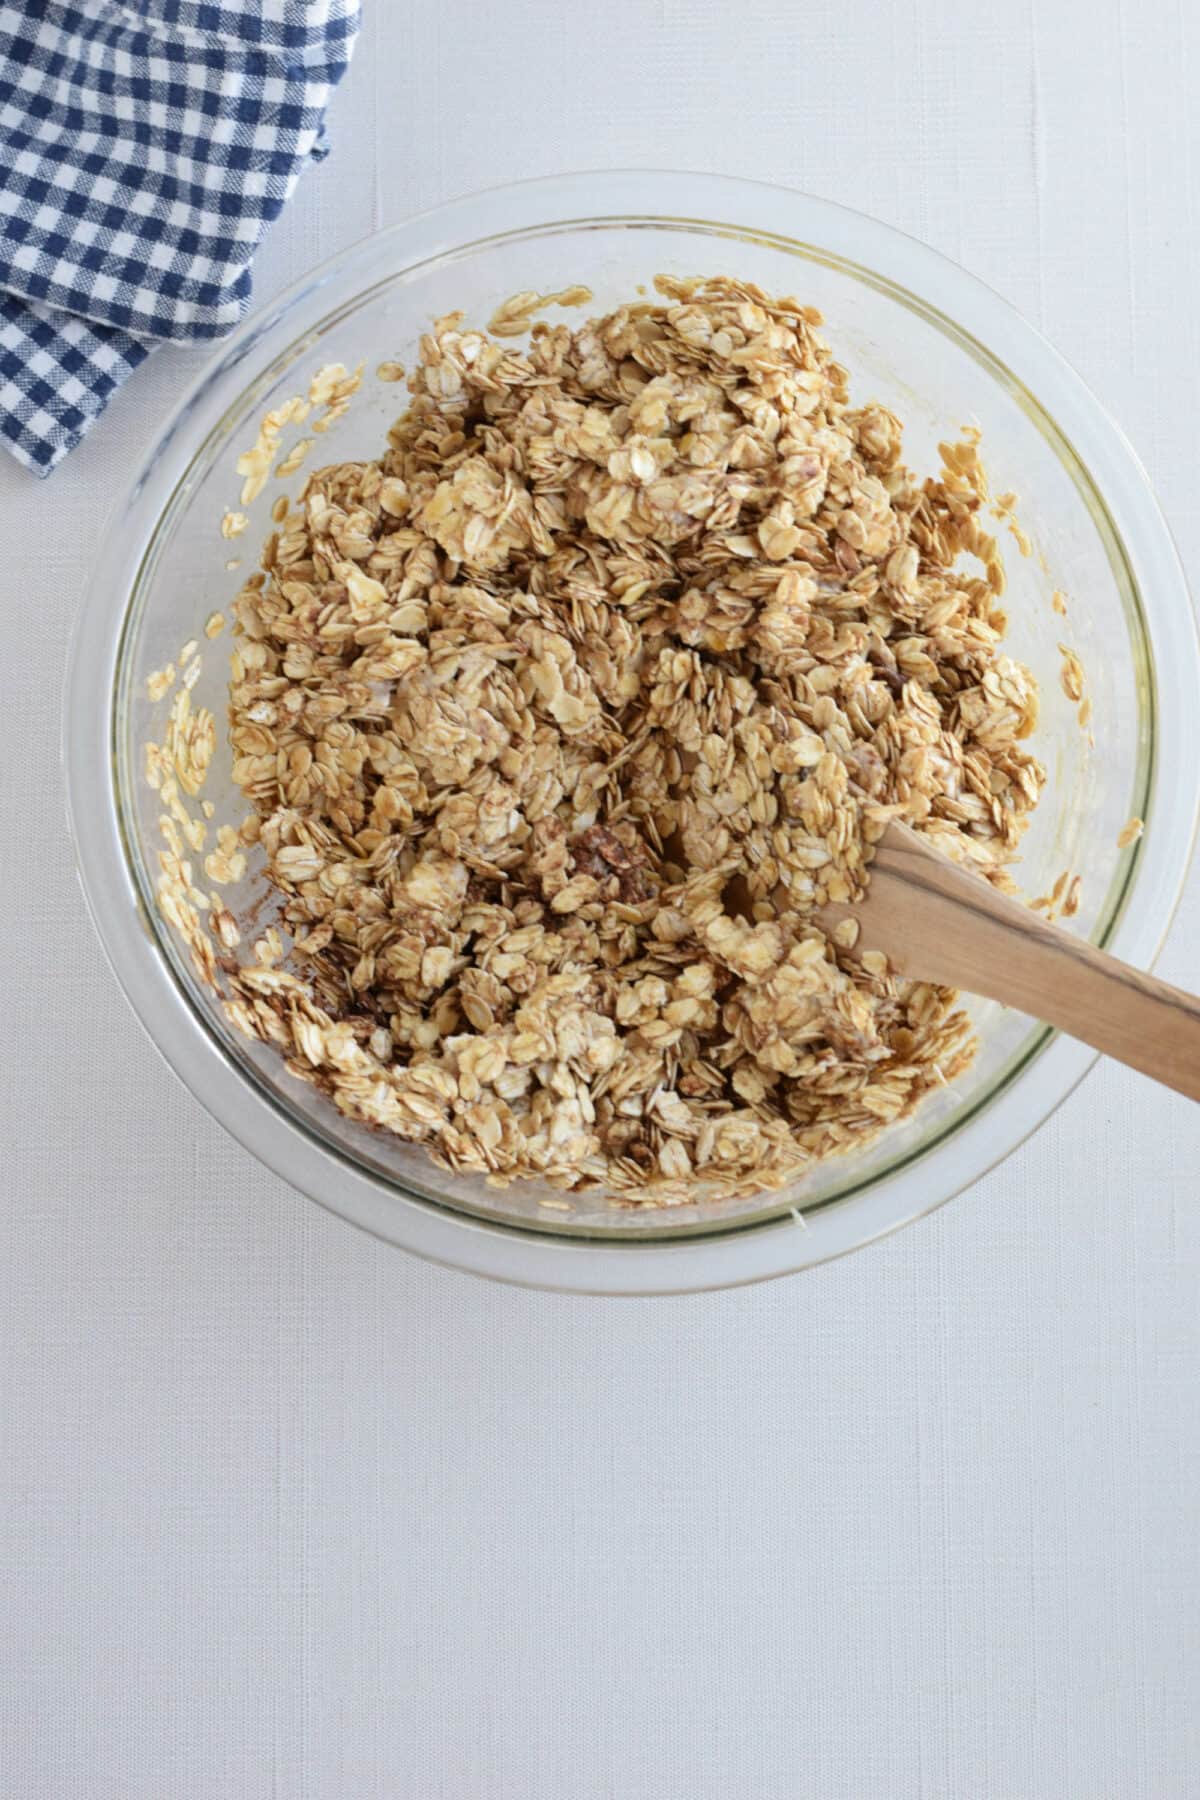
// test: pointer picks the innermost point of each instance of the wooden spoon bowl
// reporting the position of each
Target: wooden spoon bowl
(936, 921)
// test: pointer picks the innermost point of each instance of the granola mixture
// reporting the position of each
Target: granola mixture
(562, 719)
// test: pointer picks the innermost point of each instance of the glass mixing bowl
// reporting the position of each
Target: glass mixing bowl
(919, 335)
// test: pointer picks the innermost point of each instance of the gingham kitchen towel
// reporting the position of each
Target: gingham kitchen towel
(144, 150)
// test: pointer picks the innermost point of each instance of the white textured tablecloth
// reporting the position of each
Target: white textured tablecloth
(285, 1513)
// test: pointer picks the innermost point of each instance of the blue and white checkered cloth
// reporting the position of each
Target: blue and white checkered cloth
(144, 150)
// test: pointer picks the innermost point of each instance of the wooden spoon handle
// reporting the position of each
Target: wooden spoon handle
(938, 922)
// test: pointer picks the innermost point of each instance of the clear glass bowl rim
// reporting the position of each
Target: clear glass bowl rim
(744, 1251)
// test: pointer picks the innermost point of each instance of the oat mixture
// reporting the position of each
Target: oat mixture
(560, 721)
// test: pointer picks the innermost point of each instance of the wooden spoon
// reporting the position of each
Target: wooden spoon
(935, 921)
